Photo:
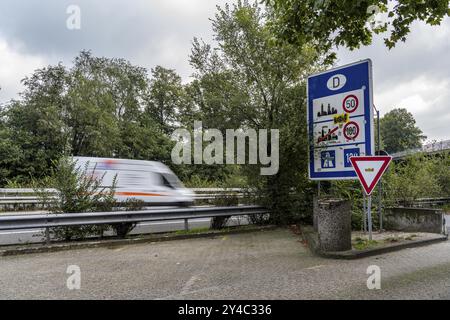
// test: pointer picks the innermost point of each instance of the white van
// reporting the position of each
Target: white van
(149, 181)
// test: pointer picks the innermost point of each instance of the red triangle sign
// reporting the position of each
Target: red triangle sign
(370, 169)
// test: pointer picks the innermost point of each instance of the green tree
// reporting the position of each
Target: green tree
(10, 152)
(107, 98)
(99, 107)
(34, 130)
(399, 131)
(442, 172)
(348, 22)
(415, 177)
(251, 81)
(167, 97)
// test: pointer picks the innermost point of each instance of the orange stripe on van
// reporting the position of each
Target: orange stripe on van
(139, 194)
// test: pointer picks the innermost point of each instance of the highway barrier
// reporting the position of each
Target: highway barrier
(25, 198)
(49, 220)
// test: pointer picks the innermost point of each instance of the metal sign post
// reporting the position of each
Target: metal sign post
(369, 171)
(380, 213)
(369, 215)
(364, 213)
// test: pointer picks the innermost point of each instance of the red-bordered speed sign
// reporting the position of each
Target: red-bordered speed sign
(351, 130)
(350, 103)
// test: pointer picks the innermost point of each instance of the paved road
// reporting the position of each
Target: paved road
(261, 265)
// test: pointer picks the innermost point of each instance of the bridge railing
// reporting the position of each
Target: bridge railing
(428, 148)
(431, 202)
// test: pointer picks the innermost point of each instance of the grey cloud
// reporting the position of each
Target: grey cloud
(138, 30)
(424, 55)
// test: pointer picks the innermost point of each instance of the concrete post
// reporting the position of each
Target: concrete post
(47, 235)
(315, 212)
(334, 225)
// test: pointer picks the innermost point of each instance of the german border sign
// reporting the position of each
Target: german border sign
(340, 120)
(370, 169)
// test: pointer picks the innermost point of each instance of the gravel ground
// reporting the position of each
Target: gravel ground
(261, 265)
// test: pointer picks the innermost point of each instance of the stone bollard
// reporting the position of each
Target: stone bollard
(334, 225)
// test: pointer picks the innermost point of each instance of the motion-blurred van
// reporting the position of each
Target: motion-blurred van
(149, 181)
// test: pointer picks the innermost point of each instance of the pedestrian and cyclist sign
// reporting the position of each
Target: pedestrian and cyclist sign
(340, 120)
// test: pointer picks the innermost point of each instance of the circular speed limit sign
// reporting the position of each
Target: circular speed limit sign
(350, 103)
(351, 130)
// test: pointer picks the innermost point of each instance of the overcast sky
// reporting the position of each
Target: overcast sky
(33, 33)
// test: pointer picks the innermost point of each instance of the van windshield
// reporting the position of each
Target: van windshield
(173, 180)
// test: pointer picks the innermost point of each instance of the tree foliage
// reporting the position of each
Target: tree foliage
(348, 22)
(77, 191)
(167, 96)
(251, 81)
(99, 107)
(418, 176)
(399, 131)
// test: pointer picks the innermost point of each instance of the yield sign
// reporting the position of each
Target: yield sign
(370, 169)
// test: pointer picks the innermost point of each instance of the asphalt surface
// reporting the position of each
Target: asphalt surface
(260, 265)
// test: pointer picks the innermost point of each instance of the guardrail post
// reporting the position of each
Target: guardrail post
(186, 225)
(47, 235)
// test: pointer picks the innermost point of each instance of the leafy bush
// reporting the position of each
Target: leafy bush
(442, 163)
(123, 229)
(77, 191)
(416, 177)
(352, 190)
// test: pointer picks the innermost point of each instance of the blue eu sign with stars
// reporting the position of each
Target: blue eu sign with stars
(340, 120)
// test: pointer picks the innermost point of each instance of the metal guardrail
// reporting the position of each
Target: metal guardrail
(23, 196)
(34, 221)
(41, 221)
(431, 202)
(23, 190)
(18, 191)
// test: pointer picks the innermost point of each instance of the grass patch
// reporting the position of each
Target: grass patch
(411, 237)
(362, 244)
(392, 239)
(397, 239)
